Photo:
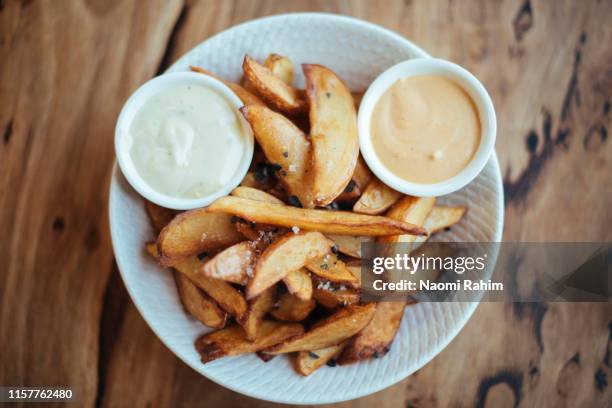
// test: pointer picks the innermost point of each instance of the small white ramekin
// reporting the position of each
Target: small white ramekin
(128, 112)
(428, 66)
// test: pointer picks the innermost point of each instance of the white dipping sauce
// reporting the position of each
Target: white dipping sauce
(186, 141)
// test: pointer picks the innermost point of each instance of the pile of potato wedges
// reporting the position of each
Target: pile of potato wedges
(274, 267)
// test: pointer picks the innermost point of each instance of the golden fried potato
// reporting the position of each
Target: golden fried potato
(254, 194)
(277, 93)
(288, 253)
(409, 209)
(233, 264)
(329, 267)
(258, 307)
(331, 298)
(290, 308)
(226, 296)
(159, 216)
(247, 230)
(375, 339)
(196, 231)
(198, 304)
(333, 330)
(333, 133)
(286, 147)
(299, 284)
(306, 362)
(248, 98)
(351, 193)
(376, 198)
(442, 217)
(232, 341)
(326, 221)
(281, 67)
(349, 244)
(362, 176)
(354, 266)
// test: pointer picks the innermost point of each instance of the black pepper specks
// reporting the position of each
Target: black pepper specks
(261, 172)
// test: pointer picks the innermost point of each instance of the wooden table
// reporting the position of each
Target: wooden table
(67, 67)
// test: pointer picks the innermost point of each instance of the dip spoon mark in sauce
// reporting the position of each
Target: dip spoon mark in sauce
(186, 141)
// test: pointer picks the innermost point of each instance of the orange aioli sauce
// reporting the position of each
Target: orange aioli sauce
(425, 129)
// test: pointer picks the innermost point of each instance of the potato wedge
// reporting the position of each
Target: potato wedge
(349, 244)
(351, 193)
(376, 198)
(258, 307)
(329, 267)
(196, 231)
(361, 178)
(333, 330)
(262, 235)
(277, 93)
(362, 174)
(281, 67)
(325, 221)
(254, 194)
(288, 253)
(232, 341)
(307, 362)
(226, 296)
(233, 264)
(442, 217)
(247, 230)
(247, 97)
(375, 339)
(331, 298)
(299, 284)
(354, 266)
(198, 304)
(159, 216)
(409, 209)
(290, 308)
(286, 147)
(333, 133)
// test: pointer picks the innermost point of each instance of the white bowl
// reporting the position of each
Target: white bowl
(359, 52)
(131, 108)
(462, 77)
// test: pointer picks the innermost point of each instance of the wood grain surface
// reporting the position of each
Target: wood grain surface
(67, 67)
